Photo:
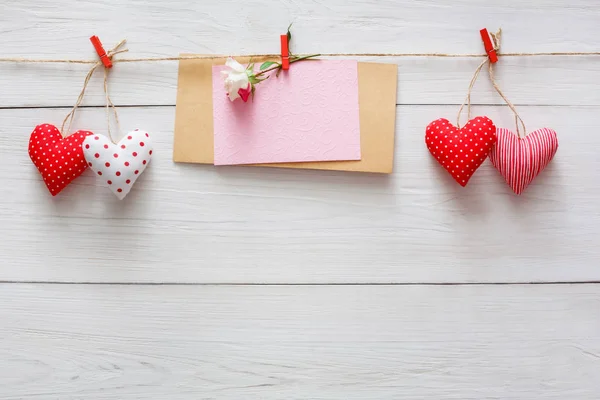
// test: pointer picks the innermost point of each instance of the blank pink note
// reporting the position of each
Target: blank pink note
(308, 113)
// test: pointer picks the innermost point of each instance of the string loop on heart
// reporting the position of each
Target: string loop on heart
(508, 103)
(209, 57)
(109, 105)
(496, 41)
(468, 98)
(496, 45)
(115, 50)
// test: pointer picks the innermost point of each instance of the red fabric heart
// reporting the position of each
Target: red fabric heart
(521, 160)
(461, 151)
(59, 160)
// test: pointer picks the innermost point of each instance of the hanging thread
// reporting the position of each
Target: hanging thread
(115, 50)
(496, 41)
(109, 105)
(210, 57)
(468, 98)
(496, 45)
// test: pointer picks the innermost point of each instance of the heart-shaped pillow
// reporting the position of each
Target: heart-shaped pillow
(461, 150)
(521, 160)
(59, 160)
(118, 165)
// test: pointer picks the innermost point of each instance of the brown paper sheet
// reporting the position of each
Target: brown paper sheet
(194, 140)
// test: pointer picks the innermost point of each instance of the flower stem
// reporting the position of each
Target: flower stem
(268, 70)
(278, 66)
(304, 58)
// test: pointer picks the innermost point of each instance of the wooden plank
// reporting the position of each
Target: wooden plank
(339, 26)
(190, 223)
(310, 342)
(384, 26)
(531, 81)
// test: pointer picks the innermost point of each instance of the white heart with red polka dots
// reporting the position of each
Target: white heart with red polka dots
(118, 165)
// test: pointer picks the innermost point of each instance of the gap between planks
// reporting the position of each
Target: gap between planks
(554, 283)
(397, 105)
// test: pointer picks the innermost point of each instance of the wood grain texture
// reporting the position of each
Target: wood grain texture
(41, 29)
(532, 81)
(192, 223)
(319, 342)
(199, 224)
(253, 26)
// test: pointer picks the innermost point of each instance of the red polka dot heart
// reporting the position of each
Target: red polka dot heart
(461, 151)
(59, 160)
(118, 165)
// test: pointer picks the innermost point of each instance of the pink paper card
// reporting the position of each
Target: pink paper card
(308, 113)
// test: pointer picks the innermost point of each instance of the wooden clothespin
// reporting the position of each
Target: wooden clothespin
(285, 53)
(489, 47)
(101, 52)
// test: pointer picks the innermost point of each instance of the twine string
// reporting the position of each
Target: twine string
(467, 100)
(115, 50)
(496, 41)
(71, 113)
(109, 105)
(209, 57)
(496, 44)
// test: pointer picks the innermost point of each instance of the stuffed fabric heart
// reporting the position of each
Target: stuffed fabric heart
(118, 165)
(461, 151)
(521, 160)
(59, 160)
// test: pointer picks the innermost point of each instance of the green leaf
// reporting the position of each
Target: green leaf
(254, 79)
(289, 34)
(266, 65)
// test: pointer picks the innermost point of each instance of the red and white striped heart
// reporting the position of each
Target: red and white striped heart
(521, 160)
(118, 165)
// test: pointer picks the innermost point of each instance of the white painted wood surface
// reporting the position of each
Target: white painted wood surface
(300, 342)
(163, 295)
(197, 223)
(37, 29)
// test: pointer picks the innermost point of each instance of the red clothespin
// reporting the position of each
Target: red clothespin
(285, 53)
(101, 53)
(489, 47)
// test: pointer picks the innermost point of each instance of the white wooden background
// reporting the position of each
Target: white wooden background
(249, 283)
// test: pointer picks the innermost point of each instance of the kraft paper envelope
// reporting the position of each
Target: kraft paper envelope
(194, 137)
